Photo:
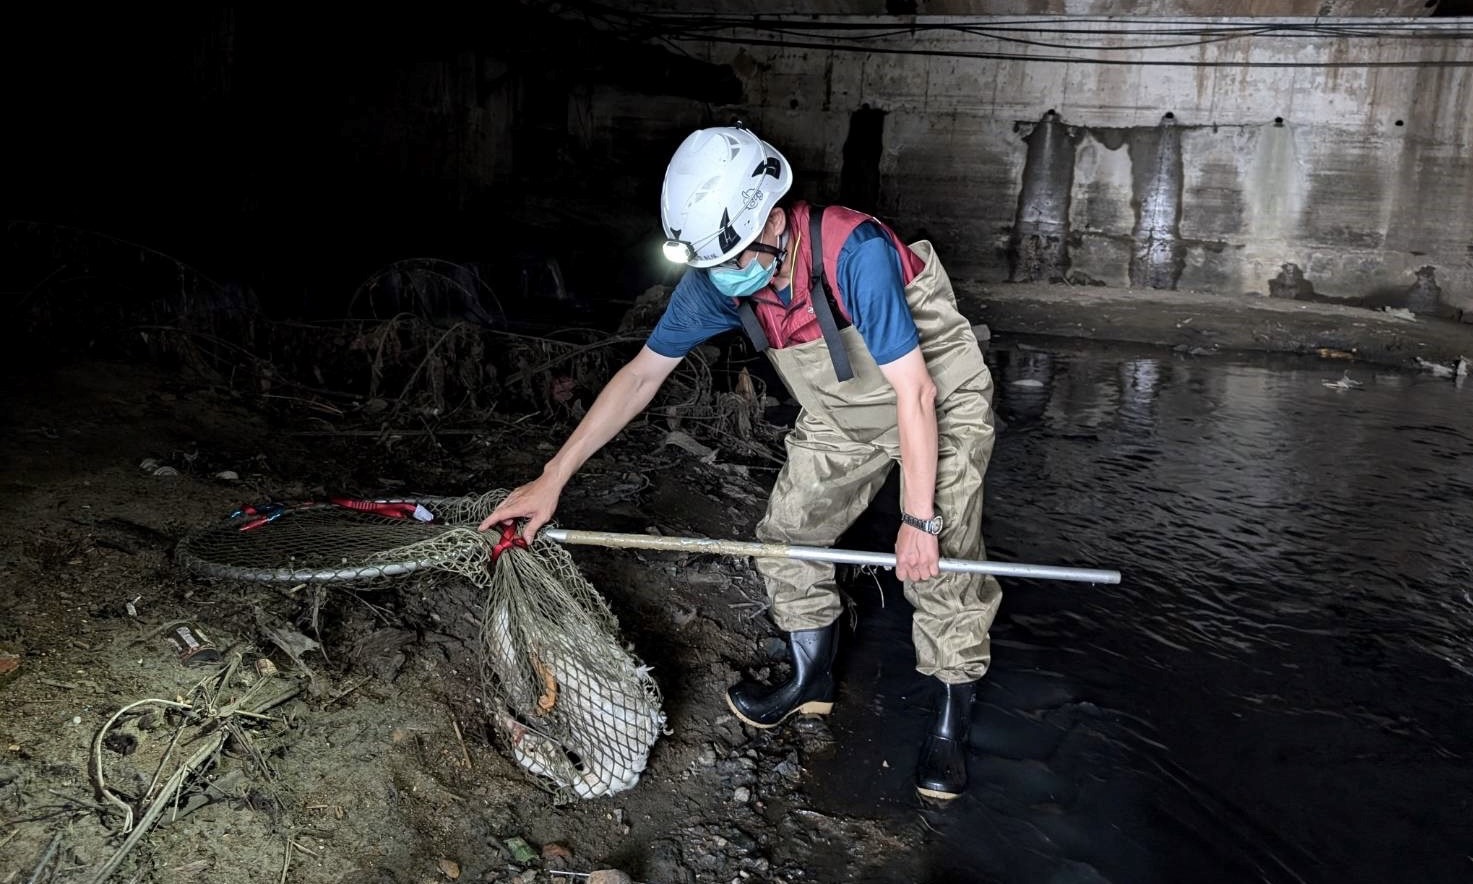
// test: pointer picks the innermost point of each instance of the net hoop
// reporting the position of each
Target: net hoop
(327, 543)
(573, 705)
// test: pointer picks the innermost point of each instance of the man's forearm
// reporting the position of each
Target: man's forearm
(918, 441)
(627, 394)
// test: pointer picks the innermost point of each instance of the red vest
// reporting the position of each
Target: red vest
(794, 323)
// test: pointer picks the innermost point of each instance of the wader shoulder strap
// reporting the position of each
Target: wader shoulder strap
(751, 326)
(822, 298)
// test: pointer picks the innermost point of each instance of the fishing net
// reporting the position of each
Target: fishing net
(575, 708)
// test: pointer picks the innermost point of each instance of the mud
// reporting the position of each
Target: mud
(383, 767)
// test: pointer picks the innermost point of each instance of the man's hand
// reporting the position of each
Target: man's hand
(917, 554)
(535, 501)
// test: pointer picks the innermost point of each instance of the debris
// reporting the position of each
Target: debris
(521, 851)
(228, 476)
(1026, 382)
(1400, 313)
(1345, 383)
(293, 642)
(1443, 371)
(449, 868)
(464, 752)
(682, 439)
(192, 645)
(9, 663)
(265, 668)
(165, 472)
(215, 722)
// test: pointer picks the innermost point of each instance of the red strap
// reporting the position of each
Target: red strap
(509, 538)
(393, 509)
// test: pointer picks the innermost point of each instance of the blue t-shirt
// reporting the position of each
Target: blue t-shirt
(870, 283)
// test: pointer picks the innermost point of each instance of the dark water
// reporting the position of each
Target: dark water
(1280, 690)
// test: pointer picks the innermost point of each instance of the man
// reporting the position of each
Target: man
(866, 335)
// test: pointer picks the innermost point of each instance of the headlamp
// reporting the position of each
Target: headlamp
(679, 251)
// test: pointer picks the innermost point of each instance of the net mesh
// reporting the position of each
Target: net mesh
(574, 707)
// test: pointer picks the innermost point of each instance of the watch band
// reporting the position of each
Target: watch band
(930, 526)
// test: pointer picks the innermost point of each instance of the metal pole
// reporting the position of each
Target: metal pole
(819, 554)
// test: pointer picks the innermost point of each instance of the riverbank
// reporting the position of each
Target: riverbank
(1203, 323)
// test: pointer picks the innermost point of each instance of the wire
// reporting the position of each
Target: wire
(861, 36)
(1065, 59)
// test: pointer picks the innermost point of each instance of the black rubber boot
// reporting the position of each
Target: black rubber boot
(941, 772)
(810, 690)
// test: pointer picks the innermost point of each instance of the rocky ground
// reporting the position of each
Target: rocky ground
(372, 757)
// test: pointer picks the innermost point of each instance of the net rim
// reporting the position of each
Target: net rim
(349, 573)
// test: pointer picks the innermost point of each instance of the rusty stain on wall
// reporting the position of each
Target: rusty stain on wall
(1038, 246)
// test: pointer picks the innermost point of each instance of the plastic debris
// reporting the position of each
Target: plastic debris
(521, 851)
(1438, 369)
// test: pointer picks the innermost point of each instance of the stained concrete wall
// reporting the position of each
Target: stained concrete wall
(1346, 155)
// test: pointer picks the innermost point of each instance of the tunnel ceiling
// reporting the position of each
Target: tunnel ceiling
(1163, 8)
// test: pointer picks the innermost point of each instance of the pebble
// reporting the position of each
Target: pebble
(741, 795)
(450, 868)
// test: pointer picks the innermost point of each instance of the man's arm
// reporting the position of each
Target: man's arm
(627, 394)
(917, 554)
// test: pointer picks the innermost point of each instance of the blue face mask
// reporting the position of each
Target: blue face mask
(740, 283)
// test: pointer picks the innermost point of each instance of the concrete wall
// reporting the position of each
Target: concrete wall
(1364, 177)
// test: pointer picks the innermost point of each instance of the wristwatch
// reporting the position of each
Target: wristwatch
(930, 526)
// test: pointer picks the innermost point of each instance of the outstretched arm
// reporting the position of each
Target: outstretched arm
(917, 554)
(627, 394)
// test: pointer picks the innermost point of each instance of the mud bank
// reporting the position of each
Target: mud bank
(1203, 323)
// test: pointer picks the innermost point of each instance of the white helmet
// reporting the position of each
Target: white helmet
(719, 188)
